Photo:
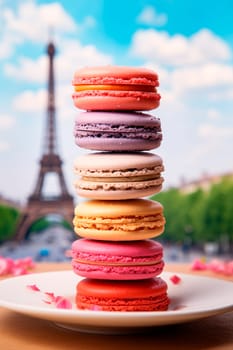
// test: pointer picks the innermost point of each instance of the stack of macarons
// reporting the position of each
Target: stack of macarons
(116, 255)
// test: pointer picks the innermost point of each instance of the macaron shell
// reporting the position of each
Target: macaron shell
(118, 144)
(116, 162)
(118, 118)
(122, 290)
(104, 210)
(120, 235)
(119, 101)
(115, 75)
(117, 272)
(148, 189)
(120, 251)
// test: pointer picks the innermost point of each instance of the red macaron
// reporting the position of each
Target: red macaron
(142, 295)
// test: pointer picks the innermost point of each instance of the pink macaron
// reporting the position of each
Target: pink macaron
(115, 88)
(117, 260)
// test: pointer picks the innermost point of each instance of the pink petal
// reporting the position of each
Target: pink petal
(33, 287)
(18, 271)
(199, 265)
(175, 279)
(63, 303)
(15, 267)
(4, 266)
(229, 268)
(50, 297)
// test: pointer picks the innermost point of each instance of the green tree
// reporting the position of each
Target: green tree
(8, 222)
(174, 212)
(217, 218)
(201, 215)
(194, 211)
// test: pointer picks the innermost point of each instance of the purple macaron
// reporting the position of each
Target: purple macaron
(117, 131)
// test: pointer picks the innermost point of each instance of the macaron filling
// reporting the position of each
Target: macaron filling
(129, 223)
(146, 88)
(117, 131)
(136, 262)
(118, 175)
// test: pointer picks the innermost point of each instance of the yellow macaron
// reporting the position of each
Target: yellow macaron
(123, 220)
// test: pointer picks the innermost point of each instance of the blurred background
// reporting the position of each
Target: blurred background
(189, 44)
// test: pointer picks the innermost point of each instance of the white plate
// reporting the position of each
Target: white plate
(194, 298)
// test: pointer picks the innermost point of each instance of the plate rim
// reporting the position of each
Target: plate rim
(170, 316)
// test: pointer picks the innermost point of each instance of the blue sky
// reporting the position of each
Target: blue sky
(188, 43)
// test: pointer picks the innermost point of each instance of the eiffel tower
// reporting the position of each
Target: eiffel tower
(38, 205)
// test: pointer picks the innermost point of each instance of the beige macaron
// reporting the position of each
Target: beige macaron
(116, 176)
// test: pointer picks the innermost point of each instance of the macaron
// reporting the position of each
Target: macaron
(114, 176)
(129, 220)
(117, 260)
(108, 131)
(115, 88)
(143, 295)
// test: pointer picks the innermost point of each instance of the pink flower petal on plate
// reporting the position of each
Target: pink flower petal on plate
(63, 303)
(175, 279)
(33, 287)
(50, 297)
(58, 301)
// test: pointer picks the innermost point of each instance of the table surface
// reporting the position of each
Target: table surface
(23, 332)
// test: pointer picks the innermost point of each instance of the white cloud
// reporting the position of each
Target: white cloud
(7, 43)
(208, 131)
(75, 55)
(149, 16)
(210, 80)
(33, 21)
(208, 75)
(88, 22)
(35, 102)
(27, 69)
(178, 50)
(28, 21)
(71, 56)
(30, 101)
(213, 114)
(212, 149)
(4, 146)
(6, 122)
